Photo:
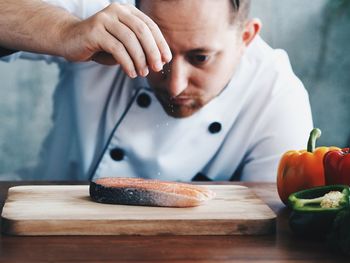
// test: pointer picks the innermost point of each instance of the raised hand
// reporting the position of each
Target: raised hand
(119, 34)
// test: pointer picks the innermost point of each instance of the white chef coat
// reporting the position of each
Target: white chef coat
(106, 124)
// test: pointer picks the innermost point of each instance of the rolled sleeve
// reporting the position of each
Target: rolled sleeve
(85, 8)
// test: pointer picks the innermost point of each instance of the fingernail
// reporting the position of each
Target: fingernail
(133, 74)
(168, 56)
(145, 71)
(158, 66)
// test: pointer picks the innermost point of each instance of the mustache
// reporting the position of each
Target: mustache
(165, 94)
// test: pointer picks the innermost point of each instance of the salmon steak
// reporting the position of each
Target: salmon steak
(148, 192)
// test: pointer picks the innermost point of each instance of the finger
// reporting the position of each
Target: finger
(145, 37)
(120, 54)
(131, 43)
(158, 36)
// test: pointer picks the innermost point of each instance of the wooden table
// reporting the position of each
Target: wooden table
(281, 247)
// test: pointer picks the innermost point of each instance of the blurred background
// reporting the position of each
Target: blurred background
(315, 34)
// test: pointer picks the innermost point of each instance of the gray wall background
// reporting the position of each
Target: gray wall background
(315, 34)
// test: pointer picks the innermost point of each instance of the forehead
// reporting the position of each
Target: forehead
(190, 22)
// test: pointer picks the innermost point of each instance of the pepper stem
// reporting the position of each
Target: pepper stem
(314, 135)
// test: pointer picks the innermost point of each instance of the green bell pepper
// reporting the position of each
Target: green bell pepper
(314, 210)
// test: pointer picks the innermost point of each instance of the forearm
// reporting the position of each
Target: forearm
(117, 34)
(33, 25)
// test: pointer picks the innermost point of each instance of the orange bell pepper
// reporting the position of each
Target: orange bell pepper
(300, 170)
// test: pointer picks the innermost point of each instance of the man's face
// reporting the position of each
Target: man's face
(206, 49)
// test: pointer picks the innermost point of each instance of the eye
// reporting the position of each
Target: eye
(198, 59)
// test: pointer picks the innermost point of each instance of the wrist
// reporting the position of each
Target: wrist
(66, 36)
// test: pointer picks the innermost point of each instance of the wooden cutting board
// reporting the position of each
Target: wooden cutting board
(68, 210)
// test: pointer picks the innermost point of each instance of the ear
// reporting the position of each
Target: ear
(251, 29)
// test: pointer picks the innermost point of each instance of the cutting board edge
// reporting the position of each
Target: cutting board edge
(137, 227)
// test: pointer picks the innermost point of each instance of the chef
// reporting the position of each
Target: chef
(189, 91)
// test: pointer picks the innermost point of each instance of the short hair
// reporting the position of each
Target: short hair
(240, 9)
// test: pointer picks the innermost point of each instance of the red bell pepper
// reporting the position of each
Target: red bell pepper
(337, 166)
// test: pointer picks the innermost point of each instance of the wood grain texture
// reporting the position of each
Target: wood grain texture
(283, 247)
(68, 210)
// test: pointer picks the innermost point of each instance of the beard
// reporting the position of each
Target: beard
(179, 109)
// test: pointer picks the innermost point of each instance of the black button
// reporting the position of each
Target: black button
(215, 127)
(117, 154)
(144, 100)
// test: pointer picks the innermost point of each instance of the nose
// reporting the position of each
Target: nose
(177, 77)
